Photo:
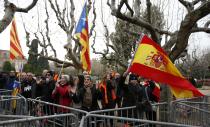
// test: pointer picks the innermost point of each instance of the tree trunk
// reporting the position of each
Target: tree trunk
(7, 19)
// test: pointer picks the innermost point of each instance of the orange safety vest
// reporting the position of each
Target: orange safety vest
(55, 77)
(103, 86)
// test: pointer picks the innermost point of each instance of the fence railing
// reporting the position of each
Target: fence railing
(16, 110)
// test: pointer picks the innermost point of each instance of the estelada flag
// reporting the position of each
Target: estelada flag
(83, 36)
(15, 47)
(150, 61)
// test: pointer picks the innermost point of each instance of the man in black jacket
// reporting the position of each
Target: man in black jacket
(132, 94)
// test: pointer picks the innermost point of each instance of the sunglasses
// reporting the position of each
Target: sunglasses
(48, 75)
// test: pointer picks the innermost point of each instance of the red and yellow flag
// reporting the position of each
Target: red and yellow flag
(150, 61)
(83, 36)
(15, 47)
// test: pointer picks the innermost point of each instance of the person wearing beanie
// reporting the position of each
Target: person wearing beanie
(132, 95)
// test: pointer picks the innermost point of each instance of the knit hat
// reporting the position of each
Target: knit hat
(133, 77)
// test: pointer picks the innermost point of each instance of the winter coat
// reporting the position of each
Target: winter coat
(62, 92)
(132, 94)
(28, 88)
(47, 91)
(96, 95)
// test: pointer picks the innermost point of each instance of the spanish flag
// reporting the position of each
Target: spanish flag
(83, 36)
(15, 47)
(150, 61)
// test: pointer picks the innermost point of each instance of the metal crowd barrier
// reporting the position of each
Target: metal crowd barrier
(28, 110)
(129, 115)
(5, 92)
(159, 112)
(12, 105)
(92, 120)
(194, 111)
(40, 108)
(187, 114)
(61, 120)
(18, 111)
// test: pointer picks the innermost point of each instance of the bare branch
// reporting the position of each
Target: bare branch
(44, 46)
(127, 5)
(92, 46)
(71, 56)
(137, 8)
(196, 1)
(207, 24)
(10, 10)
(129, 8)
(67, 64)
(189, 6)
(194, 57)
(94, 19)
(25, 10)
(63, 23)
(72, 17)
(149, 11)
(199, 29)
(139, 22)
(107, 2)
(47, 31)
(161, 32)
(167, 47)
(27, 33)
(186, 27)
(58, 15)
(107, 38)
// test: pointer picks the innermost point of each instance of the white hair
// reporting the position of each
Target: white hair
(66, 77)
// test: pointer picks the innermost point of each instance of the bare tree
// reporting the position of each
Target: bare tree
(65, 20)
(194, 65)
(178, 40)
(10, 10)
(121, 44)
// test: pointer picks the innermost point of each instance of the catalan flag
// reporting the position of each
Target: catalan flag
(83, 36)
(150, 61)
(15, 47)
(16, 90)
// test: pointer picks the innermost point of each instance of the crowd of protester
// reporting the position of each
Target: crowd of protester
(113, 90)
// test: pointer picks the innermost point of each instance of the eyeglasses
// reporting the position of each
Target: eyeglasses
(48, 75)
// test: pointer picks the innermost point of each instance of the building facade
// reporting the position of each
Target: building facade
(4, 56)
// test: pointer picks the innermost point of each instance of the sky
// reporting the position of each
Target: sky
(58, 37)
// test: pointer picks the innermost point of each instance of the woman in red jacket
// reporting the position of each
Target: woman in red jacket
(63, 92)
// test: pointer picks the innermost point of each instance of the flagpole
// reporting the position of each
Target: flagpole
(63, 63)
